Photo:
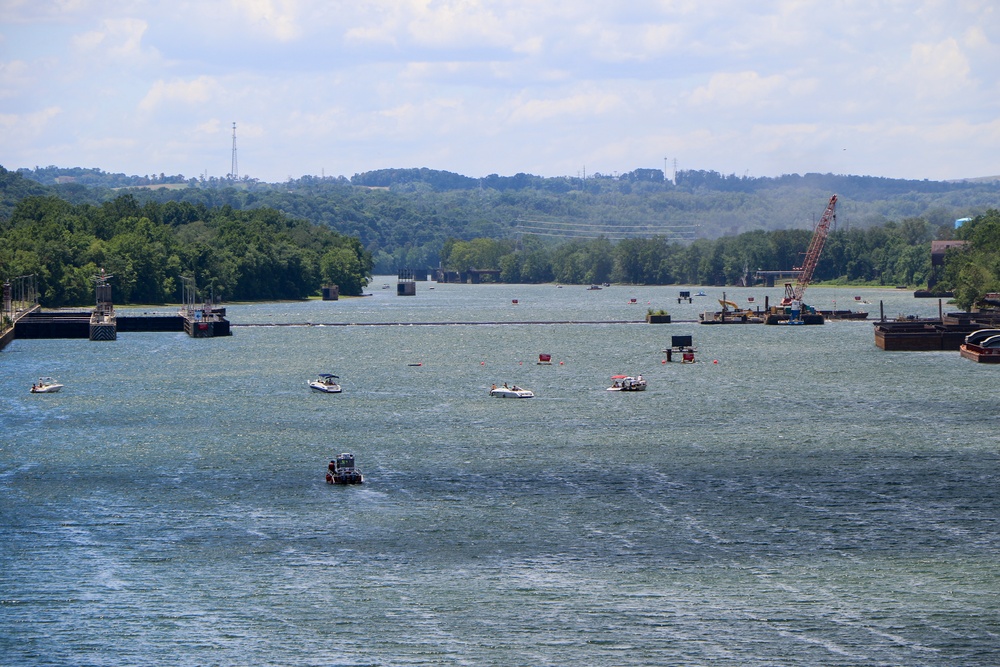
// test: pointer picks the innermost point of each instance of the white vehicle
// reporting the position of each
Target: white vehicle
(45, 385)
(326, 383)
(511, 392)
(627, 383)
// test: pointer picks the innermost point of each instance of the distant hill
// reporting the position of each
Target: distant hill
(404, 216)
(979, 179)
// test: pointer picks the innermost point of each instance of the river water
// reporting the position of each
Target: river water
(796, 497)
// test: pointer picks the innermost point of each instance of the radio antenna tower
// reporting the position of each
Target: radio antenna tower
(234, 171)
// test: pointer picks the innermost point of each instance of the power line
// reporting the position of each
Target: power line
(573, 229)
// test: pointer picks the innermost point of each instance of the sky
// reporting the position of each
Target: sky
(893, 88)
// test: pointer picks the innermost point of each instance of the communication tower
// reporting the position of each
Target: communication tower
(234, 171)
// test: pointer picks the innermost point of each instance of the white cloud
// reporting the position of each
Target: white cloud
(740, 90)
(275, 18)
(18, 128)
(574, 106)
(938, 69)
(118, 39)
(13, 74)
(436, 26)
(193, 92)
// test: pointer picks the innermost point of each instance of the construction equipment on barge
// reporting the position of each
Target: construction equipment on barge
(792, 309)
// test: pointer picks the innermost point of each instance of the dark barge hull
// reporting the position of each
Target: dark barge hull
(947, 333)
(920, 336)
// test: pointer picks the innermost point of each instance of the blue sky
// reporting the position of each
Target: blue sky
(902, 89)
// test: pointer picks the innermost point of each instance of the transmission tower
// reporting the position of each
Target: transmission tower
(234, 171)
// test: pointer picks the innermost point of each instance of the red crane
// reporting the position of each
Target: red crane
(812, 254)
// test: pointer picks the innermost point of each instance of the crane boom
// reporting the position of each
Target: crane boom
(815, 248)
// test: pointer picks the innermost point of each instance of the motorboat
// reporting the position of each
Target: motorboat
(45, 385)
(342, 471)
(326, 383)
(511, 392)
(544, 360)
(627, 383)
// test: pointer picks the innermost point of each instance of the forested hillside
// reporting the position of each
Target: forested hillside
(255, 254)
(974, 271)
(404, 216)
(251, 240)
(890, 254)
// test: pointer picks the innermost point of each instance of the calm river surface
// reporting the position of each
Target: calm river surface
(797, 497)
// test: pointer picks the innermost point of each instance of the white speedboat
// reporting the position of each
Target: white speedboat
(326, 383)
(342, 471)
(511, 392)
(627, 383)
(45, 385)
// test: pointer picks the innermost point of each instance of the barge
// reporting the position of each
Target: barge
(982, 346)
(921, 335)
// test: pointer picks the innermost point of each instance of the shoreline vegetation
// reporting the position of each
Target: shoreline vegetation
(261, 242)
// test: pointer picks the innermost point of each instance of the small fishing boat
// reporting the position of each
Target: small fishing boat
(627, 383)
(342, 471)
(46, 385)
(511, 392)
(326, 383)
(594, 287)
(544, 360)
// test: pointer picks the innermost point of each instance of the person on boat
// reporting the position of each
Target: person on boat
(332, 467)
(505, 386)
(493, 387)
(615, 385)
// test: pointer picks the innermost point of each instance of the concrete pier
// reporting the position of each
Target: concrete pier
(80, 324)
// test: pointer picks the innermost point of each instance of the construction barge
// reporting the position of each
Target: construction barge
(929, 335)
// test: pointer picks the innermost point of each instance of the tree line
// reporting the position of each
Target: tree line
(973, 271)
(890, 254)
(403, 217)
(237, 255)
(251, 240)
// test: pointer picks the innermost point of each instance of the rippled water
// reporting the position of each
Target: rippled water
(796, 497)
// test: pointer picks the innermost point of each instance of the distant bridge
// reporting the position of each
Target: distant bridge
(768, 277)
